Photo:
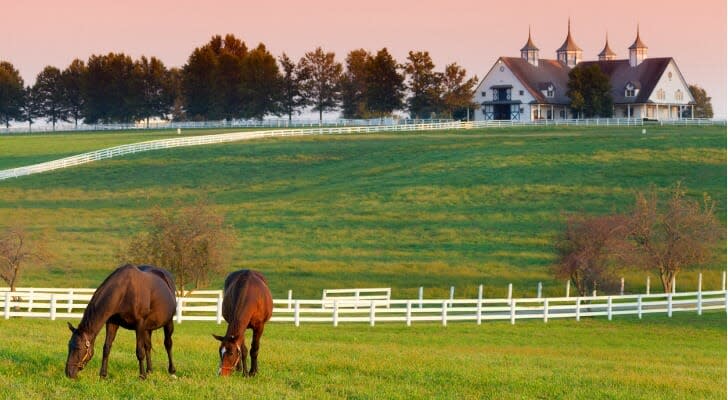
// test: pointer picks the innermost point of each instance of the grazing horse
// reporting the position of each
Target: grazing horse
(247, 303)
(141, 299)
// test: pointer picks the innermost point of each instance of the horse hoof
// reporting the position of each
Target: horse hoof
(173, 376)
(142, 377)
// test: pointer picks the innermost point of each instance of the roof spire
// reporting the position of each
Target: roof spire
(607, 54)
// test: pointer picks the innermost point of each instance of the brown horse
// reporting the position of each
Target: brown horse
(141, 299)
(247, 303)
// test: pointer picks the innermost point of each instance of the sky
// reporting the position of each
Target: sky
(473, 34)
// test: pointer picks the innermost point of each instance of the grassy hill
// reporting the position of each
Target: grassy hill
(400, 210)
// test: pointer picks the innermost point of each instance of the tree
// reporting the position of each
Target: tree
(16, 250)
(11, 93)
(384, 84)
(155, 93)
(291, 93)
(30, 108)
(260, 83)
(199, 84)
(72, 79)
(424, 84)
(193, 242)
(703, 106)
(111, 91)
(354, 84)
(228, 77)
(589, 91)
(321, 87)
(588, 250)
(49, 95)
(668, 237)
(457, 92)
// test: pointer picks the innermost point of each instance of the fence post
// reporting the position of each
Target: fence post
(336, 313)
(723, 282)
(371, 313)
(568, 287)
(700, 293)
(479, 318)
(180, 300)
(639, 306)
(621, 286)
(31, 297)
(444, 313)
(669, 305)
(452, 295)
(409, 312)
(421, 291)
(290, 298)
(545, 310)
(219, 308)
(297, 313)
(70, 300)
(6, 307)
(538, 291)
(578, 308)
(648, 285)
(53, 307)
(609, 308)
(673, 285)
(510, 292)
(513, 311)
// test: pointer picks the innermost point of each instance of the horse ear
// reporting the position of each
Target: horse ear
(220, 338)
(73, 330)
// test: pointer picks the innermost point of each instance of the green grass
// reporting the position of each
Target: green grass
(655, 358)
(432, 209)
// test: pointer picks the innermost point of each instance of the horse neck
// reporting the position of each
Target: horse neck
(99, 309)
(242, 314)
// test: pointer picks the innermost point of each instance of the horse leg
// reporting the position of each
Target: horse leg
(243, 363)
(141, 335)
(254, 347)
(168, 330)
(148, 350)
(110, 335)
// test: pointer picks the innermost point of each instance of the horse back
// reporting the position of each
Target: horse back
(247, 295)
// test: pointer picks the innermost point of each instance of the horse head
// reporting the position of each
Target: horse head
(230, 354)
(80, 351)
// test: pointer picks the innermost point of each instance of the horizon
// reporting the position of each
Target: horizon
(473, 36)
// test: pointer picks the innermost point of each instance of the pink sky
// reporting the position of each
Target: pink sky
(472, 33)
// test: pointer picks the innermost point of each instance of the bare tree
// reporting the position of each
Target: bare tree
(17, 249)
(193, 242)
(679, 234)
(588, 250)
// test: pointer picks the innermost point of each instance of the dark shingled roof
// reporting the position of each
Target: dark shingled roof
(536, 78)
(533, 77)
(644, 76)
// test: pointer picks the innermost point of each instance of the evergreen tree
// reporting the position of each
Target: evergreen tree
(384, 84)
(354, 84)
(12, 93)
(424, 85)
(260, 84)
(72, 79)
(321, 87)
(291, 96)
(589, 91)
(49, 96)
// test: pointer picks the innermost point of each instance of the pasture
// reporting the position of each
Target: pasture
(655, 358)
(433, 209)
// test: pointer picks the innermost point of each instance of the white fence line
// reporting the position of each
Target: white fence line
(207, 306)
(238, 136)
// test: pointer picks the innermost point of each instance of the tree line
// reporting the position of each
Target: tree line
(224, 79)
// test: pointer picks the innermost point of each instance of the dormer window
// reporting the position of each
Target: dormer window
(629, 90)
(550, 91)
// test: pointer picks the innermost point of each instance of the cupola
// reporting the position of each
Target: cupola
(529, 52)
(569, 53)
(607, 54)
(638, 51)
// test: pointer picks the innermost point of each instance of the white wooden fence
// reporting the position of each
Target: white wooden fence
(207, 306)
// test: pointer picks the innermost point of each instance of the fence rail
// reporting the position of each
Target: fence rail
(207, 306)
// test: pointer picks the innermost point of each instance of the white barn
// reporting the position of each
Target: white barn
(529, 88)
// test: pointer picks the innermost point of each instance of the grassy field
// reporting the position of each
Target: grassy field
(397, 210)
(656, 358)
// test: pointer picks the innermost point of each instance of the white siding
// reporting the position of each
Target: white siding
(670, 82)
(506, 77)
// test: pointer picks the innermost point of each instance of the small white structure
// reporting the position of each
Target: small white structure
(529, 88)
